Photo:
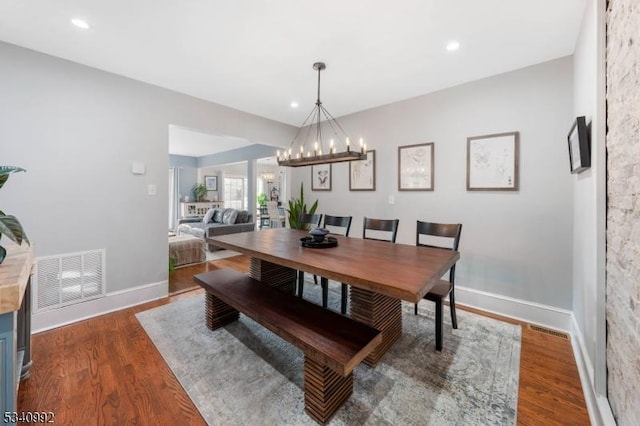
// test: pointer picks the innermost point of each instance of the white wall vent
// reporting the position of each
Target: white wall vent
(67, 279)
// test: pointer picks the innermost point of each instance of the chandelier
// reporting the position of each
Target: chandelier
(312, 147)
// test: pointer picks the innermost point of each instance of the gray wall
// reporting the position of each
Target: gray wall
(516, 244)
(589, 201)
(77, 130)
(188, 167)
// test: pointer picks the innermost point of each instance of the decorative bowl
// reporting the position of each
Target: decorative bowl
(318, 234)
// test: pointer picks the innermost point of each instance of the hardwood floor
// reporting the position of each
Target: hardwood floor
(106, 371)
(181, 279)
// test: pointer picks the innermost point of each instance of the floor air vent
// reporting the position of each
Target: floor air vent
(548, 331)
(68, 279)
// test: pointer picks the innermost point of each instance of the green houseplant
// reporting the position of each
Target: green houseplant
(9, 225)
(262, 199)
(298, 206)
(199, 191)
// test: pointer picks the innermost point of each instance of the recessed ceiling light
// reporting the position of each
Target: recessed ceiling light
(294, 104)
(81, 23)
(453, 45)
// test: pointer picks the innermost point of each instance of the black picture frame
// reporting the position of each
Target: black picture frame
(579, 146)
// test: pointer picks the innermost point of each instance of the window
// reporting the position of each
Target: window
(235, 190)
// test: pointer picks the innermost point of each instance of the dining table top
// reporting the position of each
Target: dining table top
(401, 271)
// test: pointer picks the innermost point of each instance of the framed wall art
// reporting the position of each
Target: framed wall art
(211, 182)
(579, 149)
(492, 162)
(362, 173)
(415, 167)
(321, 177)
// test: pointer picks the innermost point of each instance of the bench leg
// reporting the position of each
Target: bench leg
(218, 313)
(324, 390)
(380, 312)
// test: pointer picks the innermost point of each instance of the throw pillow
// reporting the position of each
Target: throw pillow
(208, 217)
(243, 216)
(217, 217)
(230, 216)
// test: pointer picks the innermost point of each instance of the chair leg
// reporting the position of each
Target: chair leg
(415, 309)
(439, 323)
(324, 282)
(343, 302)
(315, 279)
(300, 283)
(452, 307)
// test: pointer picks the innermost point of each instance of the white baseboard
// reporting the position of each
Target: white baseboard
(598, 405)
(535, 313)
(114, 301)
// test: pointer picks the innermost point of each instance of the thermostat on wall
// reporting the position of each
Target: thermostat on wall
(137, 168)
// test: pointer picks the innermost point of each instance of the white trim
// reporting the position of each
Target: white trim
(535, 313)
(598, 406)
(111, 302)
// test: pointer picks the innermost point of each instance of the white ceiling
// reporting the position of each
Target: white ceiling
(257, 56)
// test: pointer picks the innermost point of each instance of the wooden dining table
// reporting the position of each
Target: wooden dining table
(380, 274)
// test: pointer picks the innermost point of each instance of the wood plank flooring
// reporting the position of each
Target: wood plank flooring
(106, 371)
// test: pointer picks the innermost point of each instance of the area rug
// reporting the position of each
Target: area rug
(244, 375)
(220, 254)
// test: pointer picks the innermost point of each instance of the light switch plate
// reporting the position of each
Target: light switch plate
(151, 189)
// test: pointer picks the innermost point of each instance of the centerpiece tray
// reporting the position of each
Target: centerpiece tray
(309, 242)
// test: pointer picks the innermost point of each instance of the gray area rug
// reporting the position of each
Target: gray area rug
(245, 375)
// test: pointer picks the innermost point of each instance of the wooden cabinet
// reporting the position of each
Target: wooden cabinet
(198, 209)
(15, 322)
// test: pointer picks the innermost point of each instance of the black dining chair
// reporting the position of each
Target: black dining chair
(443, 287)
(344, 223)
(312, 221)
(385, 225)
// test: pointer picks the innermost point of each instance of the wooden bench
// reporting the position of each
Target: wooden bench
(333, 345)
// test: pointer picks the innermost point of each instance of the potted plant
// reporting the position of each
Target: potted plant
(262, 199)
(199, 191)
(9, 225)
(298, 206)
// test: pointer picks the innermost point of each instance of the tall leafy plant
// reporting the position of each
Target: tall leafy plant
(199, 191)
(297, 207)
(10, 225)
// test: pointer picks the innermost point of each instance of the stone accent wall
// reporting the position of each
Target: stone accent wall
(623, 215)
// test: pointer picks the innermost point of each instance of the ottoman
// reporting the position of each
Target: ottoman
(186, 249)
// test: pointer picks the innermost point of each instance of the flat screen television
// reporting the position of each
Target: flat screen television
(579, 146)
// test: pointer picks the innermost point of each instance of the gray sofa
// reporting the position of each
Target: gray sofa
(217, 222)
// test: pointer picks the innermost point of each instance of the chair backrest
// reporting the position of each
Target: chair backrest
(310, 219)
(338, 221)
(387, 225)
(450, 231)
